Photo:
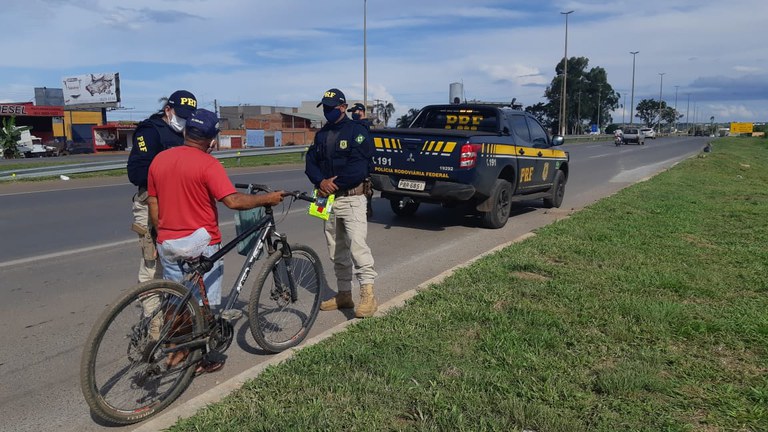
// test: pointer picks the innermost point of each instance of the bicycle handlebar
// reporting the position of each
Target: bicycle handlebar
(254, 188)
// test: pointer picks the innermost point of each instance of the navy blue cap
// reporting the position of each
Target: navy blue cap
(357, 106)
(183, 103)
(332, 98)
(206, 123)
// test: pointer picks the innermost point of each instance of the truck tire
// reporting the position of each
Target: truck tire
(408, 207)
(501, 196)
(557, 191)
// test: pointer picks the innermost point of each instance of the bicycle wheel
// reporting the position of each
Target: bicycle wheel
(125, 375)
(277, 322)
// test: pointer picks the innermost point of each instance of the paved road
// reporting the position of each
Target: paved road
(68, 252)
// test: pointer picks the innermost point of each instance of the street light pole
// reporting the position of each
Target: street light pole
(661, 83)
(676, 108)
(365, 54)
(563, 105)
(624, 110)
(632, 99)
(599, 91)
(687, 110)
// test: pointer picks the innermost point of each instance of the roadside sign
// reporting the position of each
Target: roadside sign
(741, 128)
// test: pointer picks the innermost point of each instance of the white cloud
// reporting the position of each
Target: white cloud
(286, 52)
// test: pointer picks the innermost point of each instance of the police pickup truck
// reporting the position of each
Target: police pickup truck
(480, 154)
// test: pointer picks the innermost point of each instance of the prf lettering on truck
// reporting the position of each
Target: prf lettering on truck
(462, 121)
(526, 174)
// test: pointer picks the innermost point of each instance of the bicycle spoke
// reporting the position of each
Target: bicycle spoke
(133, 368)
(277, 322)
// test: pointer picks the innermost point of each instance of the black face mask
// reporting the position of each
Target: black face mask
(356, 115)
(332, 114)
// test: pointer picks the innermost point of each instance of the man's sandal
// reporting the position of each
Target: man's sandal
(208, 366)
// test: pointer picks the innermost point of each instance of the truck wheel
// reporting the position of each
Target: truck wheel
(501, 194)
(403, 206)
(557, 191)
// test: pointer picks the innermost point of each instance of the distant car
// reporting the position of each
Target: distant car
(634, 135)
(77, 148)
(649, 133)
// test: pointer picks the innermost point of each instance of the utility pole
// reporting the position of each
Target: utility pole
(676, 108)
(661, 83)
(687, 108)
(632, 99)
(365, 54)
(599, 91)
(624, 109)
(563, 105)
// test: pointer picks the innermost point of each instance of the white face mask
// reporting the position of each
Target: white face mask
(177, 123)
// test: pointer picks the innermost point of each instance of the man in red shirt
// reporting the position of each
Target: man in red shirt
(184, 185)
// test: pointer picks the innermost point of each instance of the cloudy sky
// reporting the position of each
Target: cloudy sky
(284, 52)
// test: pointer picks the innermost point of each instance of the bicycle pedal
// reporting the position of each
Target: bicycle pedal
(232, 314)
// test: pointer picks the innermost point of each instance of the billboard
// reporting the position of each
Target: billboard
(49, 96)
(92, 89)
(741, 128)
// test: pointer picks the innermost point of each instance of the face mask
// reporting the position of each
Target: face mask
(332, 115)
(177, 123)
(355, 116)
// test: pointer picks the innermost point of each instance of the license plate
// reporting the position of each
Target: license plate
(416, 185)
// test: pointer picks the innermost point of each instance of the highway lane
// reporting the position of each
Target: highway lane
(57, 278)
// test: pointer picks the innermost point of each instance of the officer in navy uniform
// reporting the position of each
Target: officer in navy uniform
(160, 131)
(358, 114)
(338, 163)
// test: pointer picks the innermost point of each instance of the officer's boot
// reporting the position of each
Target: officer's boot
(368, 305)
(342, 300)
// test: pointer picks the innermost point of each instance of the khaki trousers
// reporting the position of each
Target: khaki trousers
(148, 269)
(345, 233)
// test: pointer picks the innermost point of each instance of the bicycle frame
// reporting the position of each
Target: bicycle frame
(195, 271)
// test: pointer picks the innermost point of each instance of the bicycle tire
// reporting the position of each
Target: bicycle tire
(124, 376)
(277, 323)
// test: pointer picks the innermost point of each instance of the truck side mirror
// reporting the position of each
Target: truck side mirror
(557, 140)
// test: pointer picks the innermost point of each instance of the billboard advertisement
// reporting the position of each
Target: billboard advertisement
(101, 89)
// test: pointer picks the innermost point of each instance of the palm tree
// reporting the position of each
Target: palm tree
(405, 120)
(384, 110)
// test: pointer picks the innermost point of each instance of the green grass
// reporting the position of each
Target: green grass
(644, 312)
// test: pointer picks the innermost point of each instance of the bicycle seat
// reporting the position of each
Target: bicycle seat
(186, 248)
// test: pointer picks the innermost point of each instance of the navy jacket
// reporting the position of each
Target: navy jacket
(342, 149)
(152, 136)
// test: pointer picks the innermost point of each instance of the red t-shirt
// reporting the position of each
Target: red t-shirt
(187, 183)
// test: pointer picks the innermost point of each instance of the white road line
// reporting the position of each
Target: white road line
(123, 184)
(22, 261)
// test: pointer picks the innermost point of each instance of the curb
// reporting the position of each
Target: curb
(170, 417)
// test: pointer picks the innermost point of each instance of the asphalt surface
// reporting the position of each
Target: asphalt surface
(69, 252)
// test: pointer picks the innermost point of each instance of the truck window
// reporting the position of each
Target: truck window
(539, 136)
(520, 128)
(458, 118)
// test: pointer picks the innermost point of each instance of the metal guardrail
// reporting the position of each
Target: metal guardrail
(52, 171)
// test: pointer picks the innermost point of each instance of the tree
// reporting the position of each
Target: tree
(648, 111)
(590, 96)
(384, 111)
(407, 119)
(542, 113)
(9, 137)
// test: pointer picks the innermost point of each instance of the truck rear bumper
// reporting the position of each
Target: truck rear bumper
(440, 191)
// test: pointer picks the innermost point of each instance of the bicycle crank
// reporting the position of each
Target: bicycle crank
(221, 336)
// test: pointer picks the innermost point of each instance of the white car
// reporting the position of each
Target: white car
(649, 133)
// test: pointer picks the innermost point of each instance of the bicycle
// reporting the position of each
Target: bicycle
(143, 351)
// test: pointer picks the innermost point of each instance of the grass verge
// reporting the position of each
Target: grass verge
(643, 312)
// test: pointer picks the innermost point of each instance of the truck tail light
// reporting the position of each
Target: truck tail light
(468, 157)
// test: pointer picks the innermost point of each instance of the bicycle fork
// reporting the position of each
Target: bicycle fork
(287, 258)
